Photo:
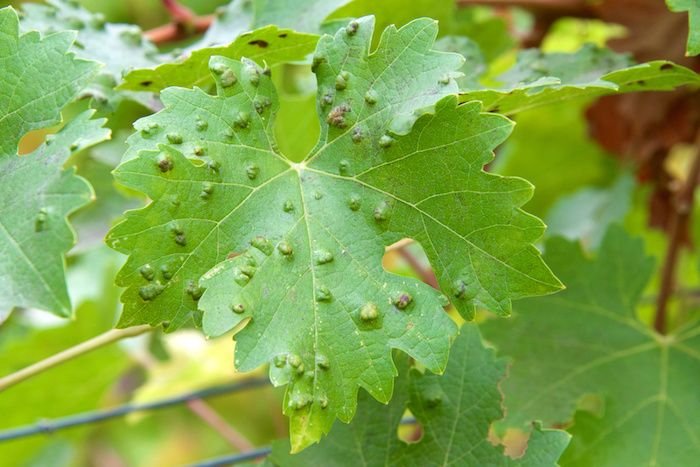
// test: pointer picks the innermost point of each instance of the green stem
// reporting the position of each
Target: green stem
(71, 353)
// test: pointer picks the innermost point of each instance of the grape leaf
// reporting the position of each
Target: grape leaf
(543, 79)
(312, 235)
(474, 64)
(455, 411)
(693, 9)
(230, 21)
(588, 340)
(240, 16)
(38, 77)
(587, 213)
(269, 44)
(119, 46)
(302, 15)
(35, 232)
(480, 25)
(261, 30)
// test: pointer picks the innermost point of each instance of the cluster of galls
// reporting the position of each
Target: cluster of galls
(338, 116)
(293, 362)
(241, 121)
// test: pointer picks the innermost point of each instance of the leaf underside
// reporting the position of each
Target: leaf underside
(397, 158)
(587, 341)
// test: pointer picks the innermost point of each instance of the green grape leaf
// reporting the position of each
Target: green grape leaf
(34, 231)
(240, 16)
(119, 46)
(38, 77)
(302, 15)
(587, 341)
(455, 411)
(540, 79)
(396, 158)
(474, 64)
(587, 213)
(269, 44)
(480, 25)
(230, 21)
(693, 9)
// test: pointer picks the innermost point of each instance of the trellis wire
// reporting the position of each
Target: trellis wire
(51, 426)
(232, 459)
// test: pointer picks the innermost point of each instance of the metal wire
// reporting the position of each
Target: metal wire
(51, 426)
(232, 459)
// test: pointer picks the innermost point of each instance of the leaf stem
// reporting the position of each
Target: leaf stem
(103, 339)
(678, 228)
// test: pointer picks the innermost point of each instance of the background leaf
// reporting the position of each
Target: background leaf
(588, 340)
(540, 79)
(454, 411)
(693, 9)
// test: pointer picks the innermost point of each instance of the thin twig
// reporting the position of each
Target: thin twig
(426, 274)
(103, 339)
(172, 32)
(179, 13)
(221, 426)
(400, 244)
(679, 225)
(184, 24)
(50, 426)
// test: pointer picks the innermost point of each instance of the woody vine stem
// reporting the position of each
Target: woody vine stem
(679, 225)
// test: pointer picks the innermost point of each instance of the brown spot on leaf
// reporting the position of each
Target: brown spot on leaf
(260, 43)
